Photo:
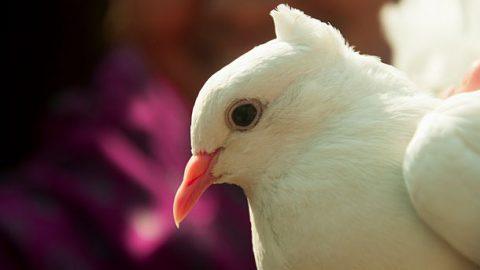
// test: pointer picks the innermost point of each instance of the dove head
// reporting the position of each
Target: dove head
(254, 117)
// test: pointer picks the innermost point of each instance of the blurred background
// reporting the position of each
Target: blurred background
(95, 118)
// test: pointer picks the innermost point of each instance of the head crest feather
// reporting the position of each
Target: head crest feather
(292, 25)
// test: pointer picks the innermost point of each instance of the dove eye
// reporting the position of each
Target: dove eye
(244, 114)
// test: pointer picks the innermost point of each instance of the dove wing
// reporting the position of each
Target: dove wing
(442, 172)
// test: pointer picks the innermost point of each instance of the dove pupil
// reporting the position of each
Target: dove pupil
(244, 115)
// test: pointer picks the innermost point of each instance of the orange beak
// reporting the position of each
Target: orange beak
(196, 179)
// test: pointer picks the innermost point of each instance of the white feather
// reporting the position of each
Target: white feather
(442, 172)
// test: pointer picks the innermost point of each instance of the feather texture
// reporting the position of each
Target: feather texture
(442, 172)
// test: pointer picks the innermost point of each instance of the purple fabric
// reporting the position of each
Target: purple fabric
(99, 193)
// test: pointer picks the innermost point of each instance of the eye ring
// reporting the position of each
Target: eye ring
(244, 114)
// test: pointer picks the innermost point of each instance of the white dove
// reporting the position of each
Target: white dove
(315, 134)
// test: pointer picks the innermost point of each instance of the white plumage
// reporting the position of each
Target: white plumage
(442, 172)
(435, 42)
(322, 167)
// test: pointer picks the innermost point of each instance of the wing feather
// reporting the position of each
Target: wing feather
(442, 172)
